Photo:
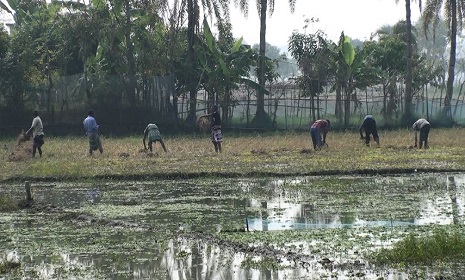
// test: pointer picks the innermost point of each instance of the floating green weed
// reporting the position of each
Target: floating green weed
(440, 246)
(7, 266)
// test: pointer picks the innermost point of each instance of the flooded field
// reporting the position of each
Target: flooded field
(273, 228)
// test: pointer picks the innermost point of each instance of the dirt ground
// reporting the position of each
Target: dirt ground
(21, 150)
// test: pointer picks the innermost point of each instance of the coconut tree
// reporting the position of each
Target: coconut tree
(262, 6)
(409, 71)
(454, 12)
(220, 10)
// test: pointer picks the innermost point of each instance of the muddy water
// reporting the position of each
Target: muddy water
(293, 225)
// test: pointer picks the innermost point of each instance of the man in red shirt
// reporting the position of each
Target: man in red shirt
(318, 128)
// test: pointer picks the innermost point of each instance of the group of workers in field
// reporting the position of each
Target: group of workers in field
(320, 128)
(318, 131)
(151, 133)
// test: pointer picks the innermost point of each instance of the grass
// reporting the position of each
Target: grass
(243, 155)
(8, 204)
(441, 246)
(7, 266)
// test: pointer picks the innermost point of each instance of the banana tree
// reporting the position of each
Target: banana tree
(350, 73)
(223, 71)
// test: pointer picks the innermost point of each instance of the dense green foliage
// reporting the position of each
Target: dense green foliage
(138, 58)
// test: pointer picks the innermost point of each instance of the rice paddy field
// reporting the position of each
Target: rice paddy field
(286, 154)
(267, 207)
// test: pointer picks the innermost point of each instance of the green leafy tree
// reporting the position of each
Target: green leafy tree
(313, 57)
(220, 10)
(344, 55)
(223, 70)
(387, 55)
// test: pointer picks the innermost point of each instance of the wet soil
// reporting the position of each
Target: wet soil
(266, 251)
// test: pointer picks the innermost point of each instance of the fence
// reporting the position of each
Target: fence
(67, 102)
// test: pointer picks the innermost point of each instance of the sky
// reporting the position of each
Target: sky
(357, 18)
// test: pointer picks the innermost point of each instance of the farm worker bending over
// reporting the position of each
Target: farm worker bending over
(153, 134)
(319, 127)
(423, 127)
(369, 126)
(37, 130)
(215, 120)
(91, 127)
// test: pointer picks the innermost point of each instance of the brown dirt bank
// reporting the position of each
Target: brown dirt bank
(194, 175)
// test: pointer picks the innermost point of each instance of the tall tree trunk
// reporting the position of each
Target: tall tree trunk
(347, 95)
(408, 74)
(451, 71)
(191, 23)
(392, 90)
(338, 105)
(131, 87)
(260, 113)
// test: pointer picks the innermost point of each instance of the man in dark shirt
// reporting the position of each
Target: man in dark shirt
(369, 126)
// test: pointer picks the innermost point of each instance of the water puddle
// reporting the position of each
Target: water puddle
(294, 224)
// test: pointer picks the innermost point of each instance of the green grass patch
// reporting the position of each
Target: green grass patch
(8, 266)
(425, 250)
(8, 204)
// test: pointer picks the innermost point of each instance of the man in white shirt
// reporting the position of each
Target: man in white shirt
(37, 130)
(422, 126)
(91, 127)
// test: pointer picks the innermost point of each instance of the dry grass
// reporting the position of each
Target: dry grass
(249, 154)
(22, 138)
(204, 123)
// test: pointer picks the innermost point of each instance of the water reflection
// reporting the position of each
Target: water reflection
(266, 205)
(289, 210)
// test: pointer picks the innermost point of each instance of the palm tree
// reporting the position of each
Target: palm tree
(409, 72)
(218, 8)
(4, 5)
(453, 11)
(262, 6)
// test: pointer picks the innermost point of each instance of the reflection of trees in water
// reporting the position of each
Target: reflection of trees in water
(447, 206)
(286, 206)
(455, 189)
(187, 259)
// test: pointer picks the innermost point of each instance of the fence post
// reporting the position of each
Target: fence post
(27, 186)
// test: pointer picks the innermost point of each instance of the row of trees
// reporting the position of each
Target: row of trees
(136, 40)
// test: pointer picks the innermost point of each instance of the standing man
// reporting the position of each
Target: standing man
(215, 121)
(153, 134)
(91, 127)
(422, 126)
(37, 130)
(369, 126)
(318, 128)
